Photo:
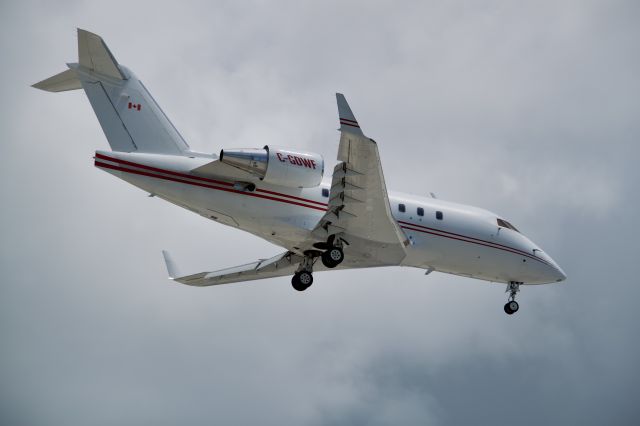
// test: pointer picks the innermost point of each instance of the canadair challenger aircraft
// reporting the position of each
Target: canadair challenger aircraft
(277, 194)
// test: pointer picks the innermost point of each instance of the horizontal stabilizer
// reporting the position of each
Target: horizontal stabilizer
(66, 80)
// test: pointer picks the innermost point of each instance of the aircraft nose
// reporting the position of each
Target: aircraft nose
(555, 271)
(559, 274)
(552, 272)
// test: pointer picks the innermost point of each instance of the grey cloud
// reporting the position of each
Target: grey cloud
(528, 109)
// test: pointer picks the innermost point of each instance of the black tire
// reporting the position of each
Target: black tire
(305, 278)
(507, 309)
(332, 257)
(336, 255)
(297, 285)
(326, 260)
(511, 307)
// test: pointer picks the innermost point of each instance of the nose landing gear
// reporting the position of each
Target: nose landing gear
(511, 307)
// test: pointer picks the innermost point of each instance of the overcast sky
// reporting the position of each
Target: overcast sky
(528, 109)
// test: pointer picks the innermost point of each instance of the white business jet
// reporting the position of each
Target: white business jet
(277, 194)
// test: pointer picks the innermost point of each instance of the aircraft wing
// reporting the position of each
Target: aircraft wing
(280, 265)
(284, 264)
(359, 211)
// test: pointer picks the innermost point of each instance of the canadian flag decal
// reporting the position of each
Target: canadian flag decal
(135, 106)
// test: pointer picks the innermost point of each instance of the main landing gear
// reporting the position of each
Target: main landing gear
(332, 257)
(511, 307)
(303, 278)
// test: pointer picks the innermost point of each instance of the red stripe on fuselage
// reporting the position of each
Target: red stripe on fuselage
(203, 185)
(228, 187)
(199, 178)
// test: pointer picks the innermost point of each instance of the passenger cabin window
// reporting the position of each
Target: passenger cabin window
(420, 211)
(325, 192)
(439, 215)
(505, 224)
(402, 208)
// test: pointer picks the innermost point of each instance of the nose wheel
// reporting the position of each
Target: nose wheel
(511, 307)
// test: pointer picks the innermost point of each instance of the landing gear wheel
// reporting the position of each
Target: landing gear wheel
(511, 307)
(305, 278)
(302, 280)
(332, 257)
(513, 287)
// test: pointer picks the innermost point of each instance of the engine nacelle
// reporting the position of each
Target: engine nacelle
(278, 166)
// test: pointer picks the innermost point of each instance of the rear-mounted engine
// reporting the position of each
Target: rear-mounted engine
(277, 166)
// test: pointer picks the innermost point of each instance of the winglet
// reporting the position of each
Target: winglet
(171, 267)
(348, 122)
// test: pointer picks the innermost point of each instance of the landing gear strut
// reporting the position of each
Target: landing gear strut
(303, 277)
(332, 256)
(512, 306)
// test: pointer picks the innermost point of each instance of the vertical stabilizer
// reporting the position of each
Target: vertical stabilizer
(94, 55)
(131, 119)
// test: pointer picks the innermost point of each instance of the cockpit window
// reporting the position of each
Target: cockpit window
(505, 224)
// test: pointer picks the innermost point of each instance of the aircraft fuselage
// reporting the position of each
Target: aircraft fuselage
(445, 237)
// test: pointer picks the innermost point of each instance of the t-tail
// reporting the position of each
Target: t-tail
(131, 119)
